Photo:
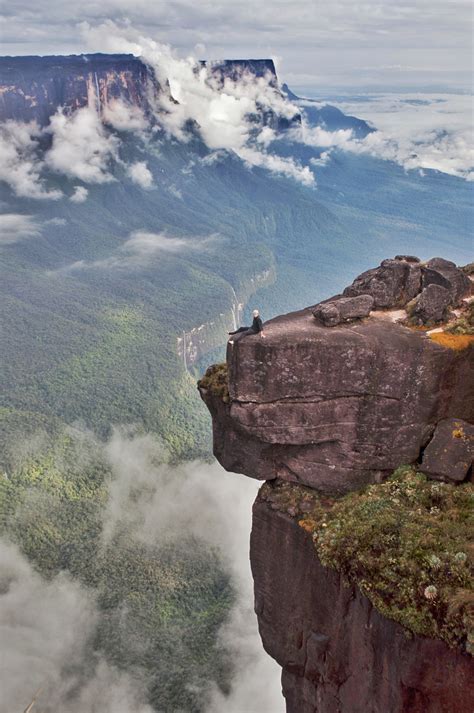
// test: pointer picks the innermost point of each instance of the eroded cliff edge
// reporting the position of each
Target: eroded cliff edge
(335, 398)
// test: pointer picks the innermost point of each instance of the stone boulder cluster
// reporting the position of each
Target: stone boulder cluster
(428, 291)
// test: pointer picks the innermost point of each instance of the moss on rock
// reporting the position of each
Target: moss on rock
(216, 380)
(406, 543)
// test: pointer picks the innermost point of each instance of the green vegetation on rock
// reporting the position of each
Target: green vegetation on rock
(464, 324)
(406, 543)
(216, 380)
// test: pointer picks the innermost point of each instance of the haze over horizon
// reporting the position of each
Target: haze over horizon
(418, 46)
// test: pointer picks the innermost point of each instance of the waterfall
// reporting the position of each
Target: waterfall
(97, 93)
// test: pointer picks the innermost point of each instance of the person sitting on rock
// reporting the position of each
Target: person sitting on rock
(256, 328)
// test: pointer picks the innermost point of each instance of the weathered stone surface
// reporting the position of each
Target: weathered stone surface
(450, 453)
(408, 258)
(438, 271)
(339, 655)
(431, 306)
(334, 408)
(344, 309)
(393, 284)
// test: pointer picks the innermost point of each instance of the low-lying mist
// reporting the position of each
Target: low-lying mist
(146, 604)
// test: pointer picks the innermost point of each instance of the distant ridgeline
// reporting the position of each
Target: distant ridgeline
(32, 88)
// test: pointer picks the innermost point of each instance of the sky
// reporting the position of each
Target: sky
(417, 45)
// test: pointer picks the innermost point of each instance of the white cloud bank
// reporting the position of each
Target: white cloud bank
(47, 627)
(140, 174)
(416, 132)
(80, 194)
(81, 146)
(46, 632)
(15, 227)
(20, 165)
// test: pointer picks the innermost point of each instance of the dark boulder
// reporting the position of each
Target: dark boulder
(431, 306)
(444, 273)
(344, 309)
(393, 284)
(450, 453)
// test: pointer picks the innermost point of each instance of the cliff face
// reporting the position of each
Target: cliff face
(336, 407)
(336, 397)
(32, 88)
(338, 654)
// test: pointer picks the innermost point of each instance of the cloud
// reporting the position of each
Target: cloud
(141, 247)
(15, 227)
(48, 627)
(123, 116)
(159, 500)
(417, 134)
(144, 244)
(46, 633)
(80, 194)
(20, 166)
(140, 174)
(420, 131)
(276, 164)
(222, 110)
(81, 147)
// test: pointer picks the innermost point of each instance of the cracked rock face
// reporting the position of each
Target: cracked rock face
(392, 285)
(334, 408)
(445, 273)
(450, 453)
(431, 305)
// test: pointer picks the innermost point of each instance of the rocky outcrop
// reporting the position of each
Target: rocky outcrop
(338, 654)
(445, 273)
(337, 407)
(32, 88)
(343, 309)
(431, 306)
(450, 453)
(335, 397)
(393, 284)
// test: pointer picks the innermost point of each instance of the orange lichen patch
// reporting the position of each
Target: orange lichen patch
(453, 341)
(308, 525)
(458, 433)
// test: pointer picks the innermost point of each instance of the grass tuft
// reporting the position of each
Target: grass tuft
(458, 342)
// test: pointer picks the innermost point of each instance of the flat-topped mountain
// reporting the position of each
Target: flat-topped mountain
(32, 88)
